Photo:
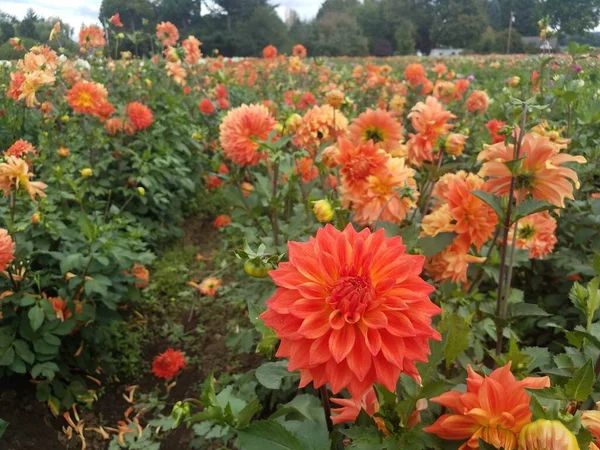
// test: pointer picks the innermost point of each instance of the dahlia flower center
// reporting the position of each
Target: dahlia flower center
(375, 134)
(524, 180)
(361, 168)
(526, 232)
(85, 99)
(351, 296)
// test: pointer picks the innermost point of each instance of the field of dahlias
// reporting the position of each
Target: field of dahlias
(298, 253)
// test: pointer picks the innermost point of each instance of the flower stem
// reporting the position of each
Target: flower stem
(326, 407)
(504, 284)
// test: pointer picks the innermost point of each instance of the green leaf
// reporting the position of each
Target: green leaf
(271, 374)
(529, 207)
(525, 310)
(246, 414)
(23, 350)
(304, 406)
(581, 385)
(7, 357)
(36, 317)
(596, 263)
(268, 434)
(494, 201)
(3, 427)
(312, 436)
(540, 357)
(459, 333)
(431, 246)
(47, 370)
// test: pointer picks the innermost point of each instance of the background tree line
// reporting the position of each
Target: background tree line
(341, 27)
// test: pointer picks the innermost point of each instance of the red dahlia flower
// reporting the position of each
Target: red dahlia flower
(168, 364)
(351, 310)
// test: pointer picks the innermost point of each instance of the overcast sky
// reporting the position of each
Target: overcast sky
(76, 12)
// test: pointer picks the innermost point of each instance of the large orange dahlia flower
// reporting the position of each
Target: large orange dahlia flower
(378, 126)
(541, 173)
(351, 310)
(240, 129)
(494, 408)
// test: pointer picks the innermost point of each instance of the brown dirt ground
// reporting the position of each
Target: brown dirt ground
(33, 427)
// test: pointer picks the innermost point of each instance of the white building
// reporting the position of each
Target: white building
(445, 51)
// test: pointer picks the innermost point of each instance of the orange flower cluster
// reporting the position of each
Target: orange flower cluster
(36, 70)
(458, 211)
(319, 125)
(20, 149)
(191, 47)
(430, 121)
(7, 249)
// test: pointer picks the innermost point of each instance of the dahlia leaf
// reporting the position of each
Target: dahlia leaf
(529, 207)
(269, 434)
(307, 406)
(312, 437)
(582, 384)
(431, 246)
(36, 317)
(459, 335)
(271, 374)
(493, 201)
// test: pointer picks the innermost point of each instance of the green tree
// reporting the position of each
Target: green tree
(340, 6)
(339, 34)
(261, 28)
(573, 16)
(182, 13)
(527, 13)
(459, 23)
(405, 38)
(132, 12)
(28, 24)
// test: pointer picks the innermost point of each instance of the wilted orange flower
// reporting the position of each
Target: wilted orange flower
(390, 194)
(239, 131)
(15, 172)
(414, 74)
(168, 364)
(141, 274)
(270, 52)
(357, 164)
(475, 221)
(444, 90)
(20, 149)
(591, 420)
(455, 144)
(541, 173)
(439, 221)
(210, 286)
(478, 101)
(113, 126)
(351, 310)
(430, 120)
(177, 72)
(351, 407)
(91, 37)
(33, 82)
(139, 115)
(39, 57)
(167, 34)
(378, 126)
(320, 124)
(191, 46)
(116, 20)
(86, 97)
(16, 82)
(299, 51)
(222, 221)
(494, 408)
(494, 126)
(7, 249)
(17, 44)
(547, 435)
(536, 234)
(247, 188)
(59, 306)
(451, 264)
(554, 134)
(306, 168)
